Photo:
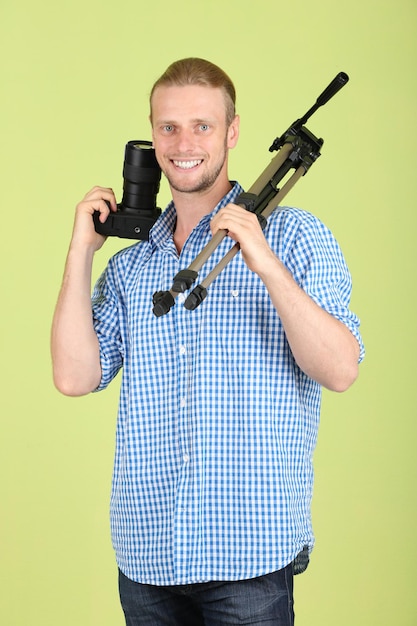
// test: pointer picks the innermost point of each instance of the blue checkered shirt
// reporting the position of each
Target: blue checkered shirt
(217, 424)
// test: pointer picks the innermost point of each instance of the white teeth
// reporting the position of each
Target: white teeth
(186, 165)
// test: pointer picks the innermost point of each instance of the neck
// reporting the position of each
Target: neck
(192, 207)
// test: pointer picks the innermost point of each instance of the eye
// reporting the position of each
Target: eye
(204, 127)
(168, 128)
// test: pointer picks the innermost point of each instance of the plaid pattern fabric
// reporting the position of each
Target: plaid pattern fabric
(217, 425)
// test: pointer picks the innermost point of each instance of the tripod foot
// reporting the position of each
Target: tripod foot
(163, 301)
(195, 298)
(183, 280)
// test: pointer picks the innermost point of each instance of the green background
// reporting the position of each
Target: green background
(74, 81)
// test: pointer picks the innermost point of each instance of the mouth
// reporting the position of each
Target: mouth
(187, 165)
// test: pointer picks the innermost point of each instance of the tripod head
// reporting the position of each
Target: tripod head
(336, 84)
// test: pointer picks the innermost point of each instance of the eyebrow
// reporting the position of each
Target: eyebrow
(197, 120)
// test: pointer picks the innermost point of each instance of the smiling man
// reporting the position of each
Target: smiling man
(219, 407)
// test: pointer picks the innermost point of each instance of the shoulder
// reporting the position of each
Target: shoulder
(290, 218)
(291, 227)
(306, 246)
(130, 256)
(122, 267)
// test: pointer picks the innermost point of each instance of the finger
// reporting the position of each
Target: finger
(232, 220)
(89, 207)
(102, 193)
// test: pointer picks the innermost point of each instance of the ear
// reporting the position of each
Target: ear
(233, 132)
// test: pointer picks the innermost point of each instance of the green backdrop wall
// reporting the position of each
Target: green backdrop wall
(75, 80)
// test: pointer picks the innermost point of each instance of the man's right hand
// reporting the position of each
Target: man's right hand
(101, 199)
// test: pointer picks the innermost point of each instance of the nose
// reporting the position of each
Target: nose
(185, 140)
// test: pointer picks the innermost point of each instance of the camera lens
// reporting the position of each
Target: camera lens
(141, 177)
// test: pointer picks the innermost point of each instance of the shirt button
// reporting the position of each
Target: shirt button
(181, 298)
(183, 402)
(186, 458)
(183, 350)
(235, 293)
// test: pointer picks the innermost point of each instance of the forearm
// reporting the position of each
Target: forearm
(74, 344)
(322, 346)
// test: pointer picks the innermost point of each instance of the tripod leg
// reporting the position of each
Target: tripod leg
(271, 169)
(199, 293)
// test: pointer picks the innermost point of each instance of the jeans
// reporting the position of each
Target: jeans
(267, 600)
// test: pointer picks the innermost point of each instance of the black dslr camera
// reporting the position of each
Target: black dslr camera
(137, 212)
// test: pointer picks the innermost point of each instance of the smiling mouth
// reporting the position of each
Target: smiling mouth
(187, 165)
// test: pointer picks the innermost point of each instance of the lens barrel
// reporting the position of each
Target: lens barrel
(141, 177)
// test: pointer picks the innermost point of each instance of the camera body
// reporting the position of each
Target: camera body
(137, 212)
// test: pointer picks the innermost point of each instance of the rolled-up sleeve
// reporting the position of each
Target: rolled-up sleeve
(106, 308)
(317, 263)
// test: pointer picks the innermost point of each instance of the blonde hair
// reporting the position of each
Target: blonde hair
(195, 71)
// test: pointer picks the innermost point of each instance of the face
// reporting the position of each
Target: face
(191, 137)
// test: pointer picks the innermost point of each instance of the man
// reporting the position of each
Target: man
(219, 407)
